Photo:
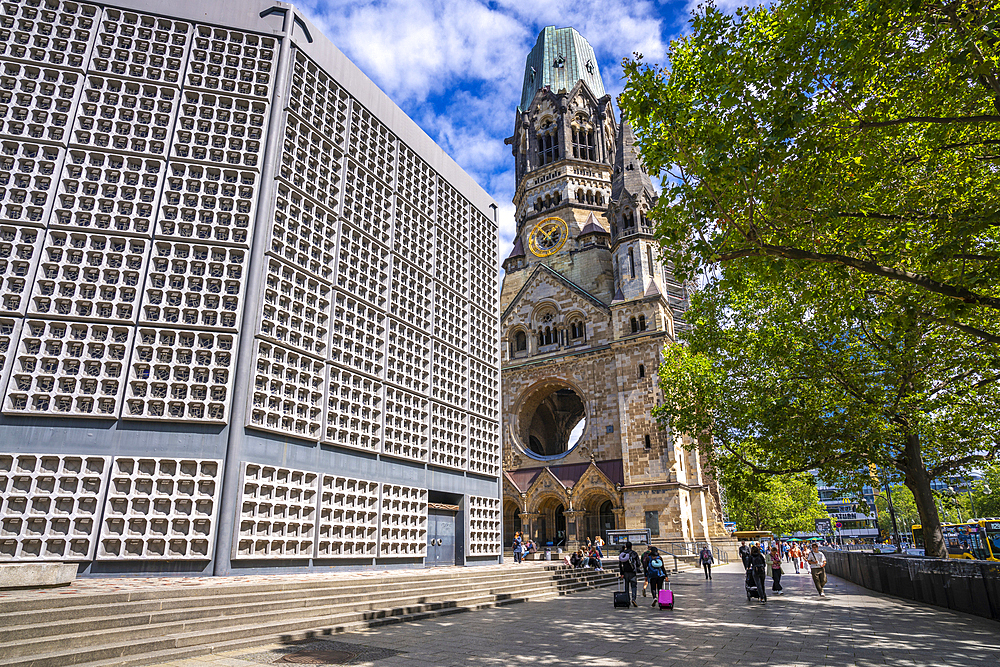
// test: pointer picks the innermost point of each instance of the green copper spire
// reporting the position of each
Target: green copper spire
(560, 58)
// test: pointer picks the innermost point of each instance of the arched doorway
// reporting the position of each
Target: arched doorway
(551, 527)
(606, 519)
(598, 519)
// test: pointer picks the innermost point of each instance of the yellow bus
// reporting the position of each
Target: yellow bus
(979, 539)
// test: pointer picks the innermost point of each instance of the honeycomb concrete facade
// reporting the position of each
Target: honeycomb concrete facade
(247, 307)
(587, 305)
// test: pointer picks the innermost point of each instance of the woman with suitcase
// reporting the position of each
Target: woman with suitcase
(656, 574)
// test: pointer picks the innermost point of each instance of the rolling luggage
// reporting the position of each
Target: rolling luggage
(621, 596)
(666, 598)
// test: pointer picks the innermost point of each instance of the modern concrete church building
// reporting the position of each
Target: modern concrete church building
(247, 308)
(587, 306)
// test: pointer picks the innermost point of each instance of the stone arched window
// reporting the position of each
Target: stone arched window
(520, 341)
(647, 444)
(584, 147)
(642, 323)
(579, 195)
(547, 336)
(642, 371)
(635, 325)
(576, 330)
(548, 146)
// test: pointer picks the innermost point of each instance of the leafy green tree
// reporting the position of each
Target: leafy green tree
(904, 507)
(986, 493)
(781, 504)
(863, 135)
(791, 377)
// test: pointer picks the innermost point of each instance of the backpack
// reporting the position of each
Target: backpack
(625, 562)
(656, 568)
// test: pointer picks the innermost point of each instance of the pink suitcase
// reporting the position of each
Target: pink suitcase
(666, 598)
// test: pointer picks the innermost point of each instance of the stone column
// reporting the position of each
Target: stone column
(573, 518)
(529, 524)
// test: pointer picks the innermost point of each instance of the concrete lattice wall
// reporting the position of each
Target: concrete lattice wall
(233, 276)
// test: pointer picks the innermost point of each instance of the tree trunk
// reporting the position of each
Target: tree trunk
(918, 481)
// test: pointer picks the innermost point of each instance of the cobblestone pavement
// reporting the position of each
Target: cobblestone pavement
(712, 624)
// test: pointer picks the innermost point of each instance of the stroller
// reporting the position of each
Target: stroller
(751, 586)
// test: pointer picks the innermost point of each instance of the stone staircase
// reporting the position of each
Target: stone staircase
(145, 626)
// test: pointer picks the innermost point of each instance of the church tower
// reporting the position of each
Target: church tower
(586, 306)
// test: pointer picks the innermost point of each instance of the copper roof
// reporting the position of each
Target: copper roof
(568, 474)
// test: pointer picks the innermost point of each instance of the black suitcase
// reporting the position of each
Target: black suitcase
(621, 596)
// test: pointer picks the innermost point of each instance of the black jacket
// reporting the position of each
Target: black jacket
(633, 559)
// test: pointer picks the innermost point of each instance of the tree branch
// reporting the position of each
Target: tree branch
(873, 268)
(949, 466)
(784, 471)
(906, 120)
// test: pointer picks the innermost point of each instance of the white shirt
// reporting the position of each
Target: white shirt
(816, 560)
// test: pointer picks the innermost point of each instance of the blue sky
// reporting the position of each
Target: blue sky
(455, 66)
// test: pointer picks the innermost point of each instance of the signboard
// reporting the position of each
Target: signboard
(840, 525)
(993, 526)
(620, 537)
(823, 526)
(729, 526)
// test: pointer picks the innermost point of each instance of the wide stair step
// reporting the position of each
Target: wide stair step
(146, 626)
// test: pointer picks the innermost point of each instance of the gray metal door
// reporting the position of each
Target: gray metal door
(440, 537)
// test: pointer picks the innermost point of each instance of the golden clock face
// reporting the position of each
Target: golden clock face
(548, 236)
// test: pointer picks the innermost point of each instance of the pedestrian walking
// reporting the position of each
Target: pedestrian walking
(745, 554)
(796, 555)
(817, 567)
(599, 545)
(758, 565)
(656, 573)
(706, 559)
(776, 571)
(644, 561)
(628, 568)
(518, 547)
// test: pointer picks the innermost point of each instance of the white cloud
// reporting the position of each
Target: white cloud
(455, 66)
(416, 49)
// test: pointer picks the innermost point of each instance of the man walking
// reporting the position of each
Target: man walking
(628, 567)
(817, 567)
(706, 559)
(745, 554)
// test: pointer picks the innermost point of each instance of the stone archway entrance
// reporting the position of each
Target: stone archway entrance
(511, 523)
(598, 519)
(551, 524)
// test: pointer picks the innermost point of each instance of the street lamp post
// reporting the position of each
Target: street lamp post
(972, 503)
(892, 515)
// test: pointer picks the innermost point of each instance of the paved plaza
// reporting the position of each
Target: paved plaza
(713, 624)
